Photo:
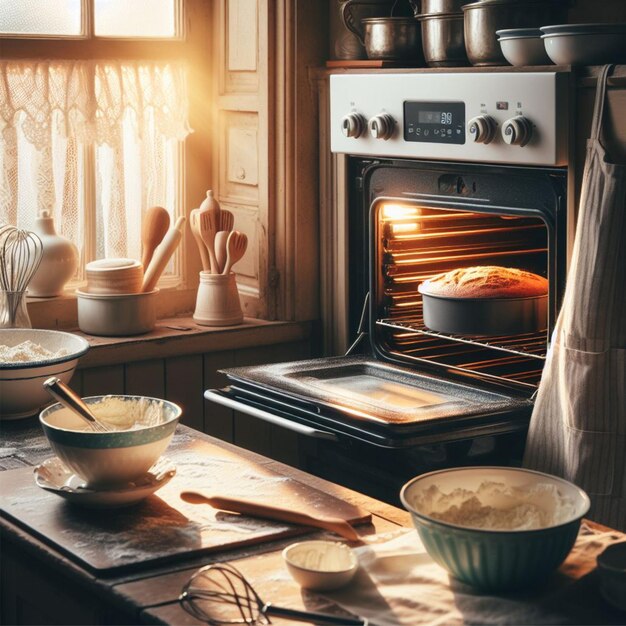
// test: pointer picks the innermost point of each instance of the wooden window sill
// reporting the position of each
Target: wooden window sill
(179, 336)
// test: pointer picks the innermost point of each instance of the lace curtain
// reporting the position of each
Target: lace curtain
(94, 142)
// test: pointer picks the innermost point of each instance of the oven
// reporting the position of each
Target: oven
(443, 171)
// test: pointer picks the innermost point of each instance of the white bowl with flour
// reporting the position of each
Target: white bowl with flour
(28, 356)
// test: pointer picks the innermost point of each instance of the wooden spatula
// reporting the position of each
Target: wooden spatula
(208, 227)
(194, 223)
(267, 511)
(155, 224)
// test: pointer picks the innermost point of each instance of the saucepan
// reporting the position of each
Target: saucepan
(386, 38)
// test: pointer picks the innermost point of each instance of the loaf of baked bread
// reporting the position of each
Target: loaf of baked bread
(487, 281)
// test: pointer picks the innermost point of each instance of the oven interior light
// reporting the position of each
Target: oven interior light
(393, 212)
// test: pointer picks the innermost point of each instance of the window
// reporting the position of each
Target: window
(92, 119)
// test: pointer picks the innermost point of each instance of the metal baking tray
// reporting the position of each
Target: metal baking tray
(485, 316)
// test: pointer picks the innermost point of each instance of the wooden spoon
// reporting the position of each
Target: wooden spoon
(221, 239)
(267, 511)
(235, 248)
(155, 224)
(209, 226)
(194, 220)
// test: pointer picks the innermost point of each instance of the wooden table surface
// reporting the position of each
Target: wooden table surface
(149, 595)
(40, 585)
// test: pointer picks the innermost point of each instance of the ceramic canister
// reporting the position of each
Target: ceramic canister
(217, 302)
(59, 261)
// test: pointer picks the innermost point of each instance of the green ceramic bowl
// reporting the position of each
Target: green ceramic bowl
(495, 560)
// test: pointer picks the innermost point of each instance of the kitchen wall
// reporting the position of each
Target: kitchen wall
(597, 11)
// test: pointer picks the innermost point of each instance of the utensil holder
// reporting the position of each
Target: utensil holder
(217, 302)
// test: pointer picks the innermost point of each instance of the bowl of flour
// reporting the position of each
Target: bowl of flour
(496, 528)
(27, 357)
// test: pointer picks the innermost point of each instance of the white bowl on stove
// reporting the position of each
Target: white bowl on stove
(585, 44)
(523, 46)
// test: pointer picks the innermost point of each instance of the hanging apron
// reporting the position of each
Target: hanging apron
(578, 426)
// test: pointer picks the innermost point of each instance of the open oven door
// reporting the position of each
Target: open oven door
(360, 397)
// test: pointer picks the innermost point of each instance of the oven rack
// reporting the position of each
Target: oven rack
(534, 345)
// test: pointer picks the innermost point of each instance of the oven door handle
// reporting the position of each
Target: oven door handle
(215, 396)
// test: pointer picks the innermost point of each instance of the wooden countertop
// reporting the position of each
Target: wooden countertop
(135, 596)
(37, 577)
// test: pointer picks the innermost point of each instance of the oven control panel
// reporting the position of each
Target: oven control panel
(516, 118)
(434, 122)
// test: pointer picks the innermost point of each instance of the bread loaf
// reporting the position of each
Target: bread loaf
(488, 281)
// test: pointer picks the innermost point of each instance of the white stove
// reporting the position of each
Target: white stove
(510, 118)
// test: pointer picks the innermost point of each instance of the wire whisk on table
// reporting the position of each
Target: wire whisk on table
(20, 256)
(219, 594)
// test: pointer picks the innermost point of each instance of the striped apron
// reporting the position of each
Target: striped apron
(578, 426)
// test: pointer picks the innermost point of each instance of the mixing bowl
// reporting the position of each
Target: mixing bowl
(490, 559)
(21, 391)
(117, 457)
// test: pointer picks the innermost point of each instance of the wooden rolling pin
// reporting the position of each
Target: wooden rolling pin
(267, 511)
(162, 255)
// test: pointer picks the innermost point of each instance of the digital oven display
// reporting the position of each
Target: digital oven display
(434, 122)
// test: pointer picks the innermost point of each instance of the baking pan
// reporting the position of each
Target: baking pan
(485, 316)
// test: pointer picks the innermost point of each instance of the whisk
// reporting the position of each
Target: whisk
(20, 255)
(219, 594)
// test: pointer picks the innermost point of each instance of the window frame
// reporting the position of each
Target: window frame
(194, 29)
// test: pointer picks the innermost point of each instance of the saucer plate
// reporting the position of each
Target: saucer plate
(54, 476)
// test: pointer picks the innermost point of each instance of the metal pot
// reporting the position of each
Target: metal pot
(343, 43)
(442, 6)
(443, 40)
(390, 38)
(484, 18)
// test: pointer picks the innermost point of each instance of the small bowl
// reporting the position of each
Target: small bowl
(116, 315)
(490, 559)
(320, 565)
(523, 47)
(21, 390)
(612, 570)
(112, 458)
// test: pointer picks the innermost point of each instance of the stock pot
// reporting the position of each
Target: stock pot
(484, 18)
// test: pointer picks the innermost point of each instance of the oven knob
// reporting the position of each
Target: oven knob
(517, 131)
(381, 126)
(353, 125)
(482, 128)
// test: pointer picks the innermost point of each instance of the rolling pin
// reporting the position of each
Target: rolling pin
(162, 255)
